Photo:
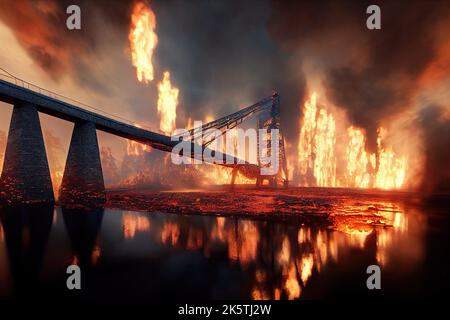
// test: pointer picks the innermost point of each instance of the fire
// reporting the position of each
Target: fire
(357, 159)
(308, 127)
(325, 161)
(391, 169)
(136, 149)
(316, 145)
(317, 158)
(167, 104)
(143, 41)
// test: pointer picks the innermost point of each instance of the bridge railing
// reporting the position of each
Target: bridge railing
(8, 77)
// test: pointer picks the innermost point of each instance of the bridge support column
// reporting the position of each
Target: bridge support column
(26, 176)
(82, 183)
(233, 175)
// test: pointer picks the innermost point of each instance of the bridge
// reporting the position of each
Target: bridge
(26, 176)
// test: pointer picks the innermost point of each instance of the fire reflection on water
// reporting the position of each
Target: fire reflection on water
(297, 253)
(132, 224)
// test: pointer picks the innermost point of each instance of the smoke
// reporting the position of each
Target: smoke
(109, 166)
(224, 58)
(224, 55)
(40, 28)
(370, 74)
(220, 53)
(436, 130)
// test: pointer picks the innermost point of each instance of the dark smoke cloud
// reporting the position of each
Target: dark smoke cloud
(436, 130)
(40, 27)
(223, 55)
(381, 76)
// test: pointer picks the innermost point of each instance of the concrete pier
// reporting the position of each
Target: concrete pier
(25, 175)
(82, 183)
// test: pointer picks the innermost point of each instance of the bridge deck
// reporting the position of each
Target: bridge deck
(52, 104)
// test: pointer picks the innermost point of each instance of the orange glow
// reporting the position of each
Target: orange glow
(291, 284)
(214, 174)
(308, 126)
(316, 153)
(170, 233)
(391, 169)
(195, 239)
(317, 158)
(167, 104)
(248, 242)
(143, 41)
(95, 255)
(56, 177)
(136, 149)
(357, 159)
(133, 223)
(306, 266)
(285, 252)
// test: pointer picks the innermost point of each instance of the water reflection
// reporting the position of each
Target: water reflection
(25, 233)
(165, 255)
(283, 257)
(83, 228)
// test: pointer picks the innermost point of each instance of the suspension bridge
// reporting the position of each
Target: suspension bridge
(26, 176)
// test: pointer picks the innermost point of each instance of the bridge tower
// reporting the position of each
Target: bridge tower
(82, 182)
(25, 174)
(271, 121)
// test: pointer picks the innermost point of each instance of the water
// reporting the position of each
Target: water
(125, 254)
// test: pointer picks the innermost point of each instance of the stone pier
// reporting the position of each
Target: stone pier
(82, 183)
(25, 175)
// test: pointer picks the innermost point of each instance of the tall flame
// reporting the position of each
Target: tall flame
(357, 159)
(316, 145)
(317, 155)
(167, 104)
(391, 169)
(143, 41)
(307, 135)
